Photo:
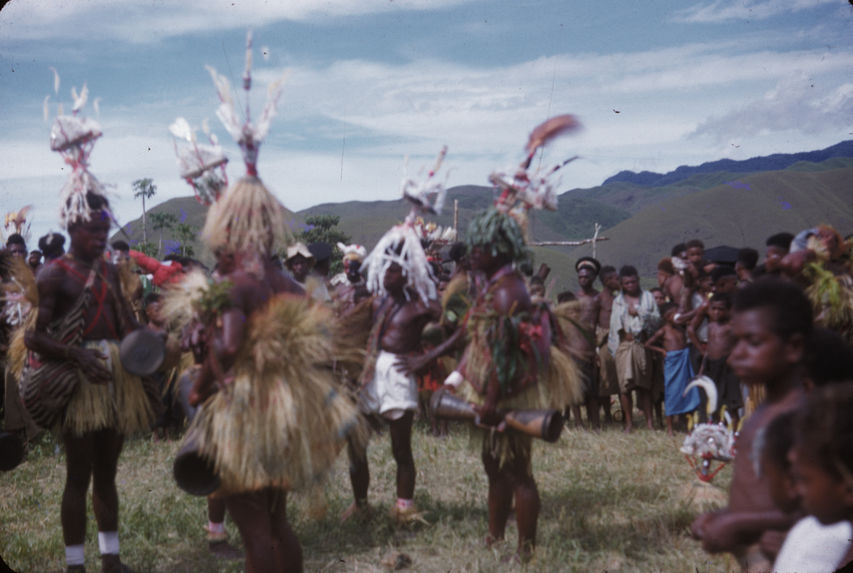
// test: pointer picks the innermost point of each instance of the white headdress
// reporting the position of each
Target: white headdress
(73, 137)
(402, 243)
(201, 165)
(247, 217)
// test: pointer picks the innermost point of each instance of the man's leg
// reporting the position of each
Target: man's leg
(401, 448)
(500, 496)
(526, 504)
(627, 407)
(289, 549)
(644, 397)
(107, 449)
(359, 477)
(78, 470)
(251, 514)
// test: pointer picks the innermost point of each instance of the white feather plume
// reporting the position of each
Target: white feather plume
(46, 108)
(96, 105)
(79, 100)
(55, 80)
(180, 128)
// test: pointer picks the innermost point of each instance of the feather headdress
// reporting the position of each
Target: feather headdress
(73, 137)
(503, 227)
(536, 191)
(247, 135)
(402, 243)
(16, 222)
(201, 165)
(247, 217)
(352, 252)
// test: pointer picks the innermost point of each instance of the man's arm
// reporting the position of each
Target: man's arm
(650, 343)
(695, 322)
(49, 286)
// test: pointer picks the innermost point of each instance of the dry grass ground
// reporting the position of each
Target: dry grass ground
(610, 502)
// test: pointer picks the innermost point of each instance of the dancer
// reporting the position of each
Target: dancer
(402, 282)
(74, 345)
(272, 417)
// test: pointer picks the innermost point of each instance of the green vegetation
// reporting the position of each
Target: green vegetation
(610, 502)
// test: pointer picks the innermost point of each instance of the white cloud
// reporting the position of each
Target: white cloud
(145, 22)
(728, 10)
(795, 103)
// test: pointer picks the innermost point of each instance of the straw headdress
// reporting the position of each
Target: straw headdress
(247, 217)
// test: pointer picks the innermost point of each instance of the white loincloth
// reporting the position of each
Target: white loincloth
(391, 392)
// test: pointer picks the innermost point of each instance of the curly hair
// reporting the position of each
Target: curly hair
(825, 428)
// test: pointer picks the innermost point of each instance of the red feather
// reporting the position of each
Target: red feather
(549, 129)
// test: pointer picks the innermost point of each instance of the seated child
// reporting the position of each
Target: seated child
(677, 369)
(822, 456)
(771, 325)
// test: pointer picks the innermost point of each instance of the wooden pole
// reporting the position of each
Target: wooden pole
(456, 217)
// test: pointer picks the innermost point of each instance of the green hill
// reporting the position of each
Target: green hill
(641, 222)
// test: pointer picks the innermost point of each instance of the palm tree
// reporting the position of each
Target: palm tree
(160, 221)
(146, 189)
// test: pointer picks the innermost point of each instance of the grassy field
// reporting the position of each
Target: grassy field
(610, 502)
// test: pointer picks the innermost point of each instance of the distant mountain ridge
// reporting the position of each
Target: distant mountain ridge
(774, 162)
(642, 222)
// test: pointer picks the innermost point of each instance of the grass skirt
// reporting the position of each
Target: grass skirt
(122, 404)
(284, 417)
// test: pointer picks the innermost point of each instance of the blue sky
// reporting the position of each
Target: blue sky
(372, 81)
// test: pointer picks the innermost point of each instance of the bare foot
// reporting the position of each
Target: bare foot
(360, 511)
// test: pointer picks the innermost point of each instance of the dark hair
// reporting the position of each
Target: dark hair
(321, 251)
(695, 243)
(628, 271)
(16, 239)
(722, 271)
(579, 264)
(723, 297)
(666, 265)
(777, 439)
(824, 427)
(666, 307)
(781, 240)
(120, 245)
(829, 358)
(566, 296)
(96, 203)
(677, 250)
(52, 245)
(656, 289)
(607, 270)
(151, 298)
(748, 257)
(792, 311)
(457, 251)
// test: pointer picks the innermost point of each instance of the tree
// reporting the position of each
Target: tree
(185, 234)
(146, 189)
(323, 228)
(160, 221)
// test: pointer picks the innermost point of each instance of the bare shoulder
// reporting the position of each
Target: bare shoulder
(510, 295)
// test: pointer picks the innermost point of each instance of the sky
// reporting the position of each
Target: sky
(655, 84)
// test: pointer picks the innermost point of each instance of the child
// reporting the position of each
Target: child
(715, 353)
(677, 369)
(822, 456)
(809, 545)
(771, 325)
